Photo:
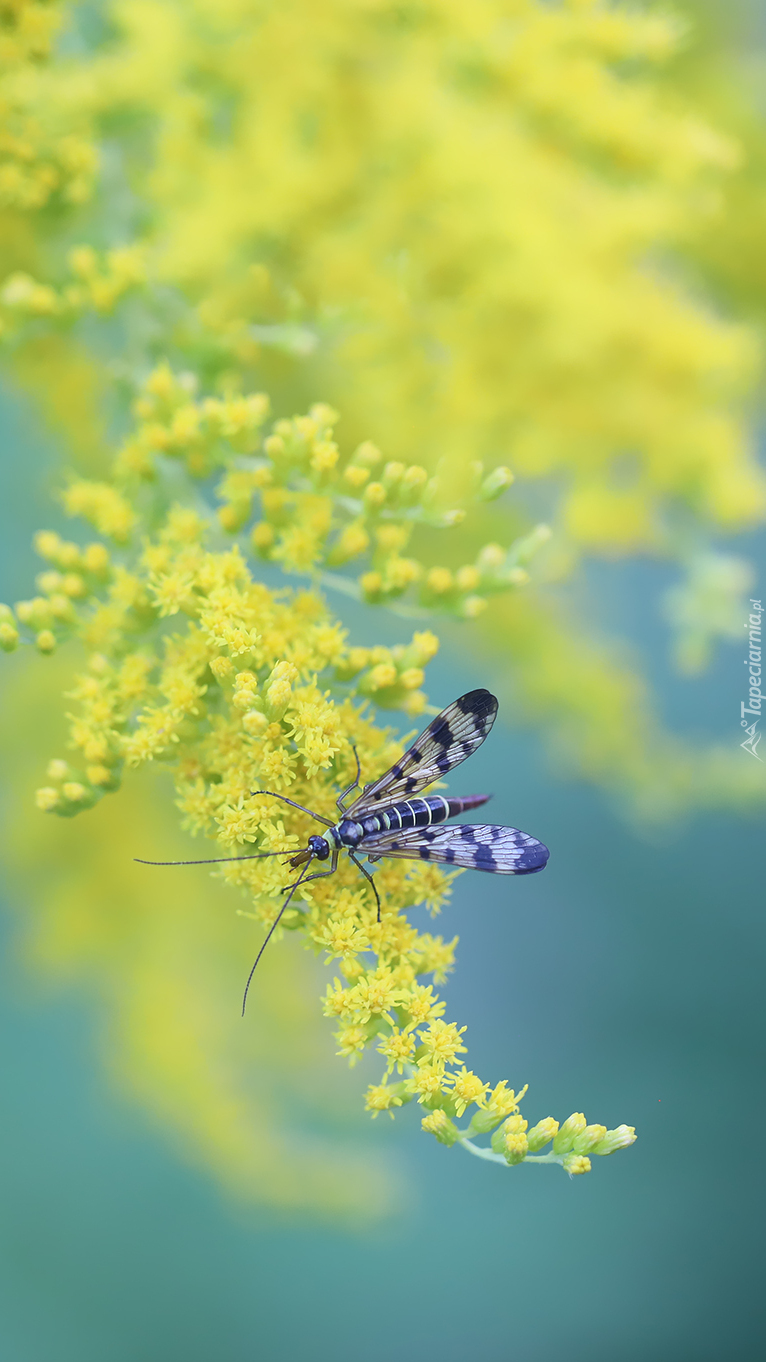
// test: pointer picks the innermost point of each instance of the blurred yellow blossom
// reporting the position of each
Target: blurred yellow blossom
(495, 298)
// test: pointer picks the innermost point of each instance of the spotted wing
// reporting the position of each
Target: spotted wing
(451, 737)
(478, 846)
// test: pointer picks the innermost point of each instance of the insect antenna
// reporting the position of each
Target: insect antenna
(217, 860)
(270, 932)
(327, 821)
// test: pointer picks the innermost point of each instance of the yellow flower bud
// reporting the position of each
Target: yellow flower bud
(46, 641)
(278, 697)
(49, 581)
(62, 608)
(68, 555)
(99, 775)
(515, 1147)
(324, 457)
(575, 1164)
(274, 446)
(439, 1124)
(412, 678)
(352, 542)
(391, 537)
(287, 670)
(324, 415)
(9, 637)
(510, 1139)
(414, 479)
(255, 723)
(367, 454)
(382, 676)
(47, 799)
(233, 516)
(372, 585)
(262, 537)
(95, 558)
(57, 769)
(47, 544)
(439, 581)
(356, 476)
(393, 473)
(424, 645)
(221, 667)
(374, 495)
(73, 584)
(245, 698)
(468, 577)
(74, 791)
(160, 382)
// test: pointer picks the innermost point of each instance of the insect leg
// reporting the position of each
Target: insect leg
(320, 874)
(367, 876)
(327, 821)
(353, 785)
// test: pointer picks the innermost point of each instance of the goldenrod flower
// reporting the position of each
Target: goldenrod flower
(467, 1087)
(381, 1097)
(237, 685)
(442, 1042)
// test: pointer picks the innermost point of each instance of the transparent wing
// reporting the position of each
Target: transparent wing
(451, 737)
(477, 846)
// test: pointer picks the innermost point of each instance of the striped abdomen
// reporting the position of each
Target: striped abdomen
(418, 813)
(407, 813)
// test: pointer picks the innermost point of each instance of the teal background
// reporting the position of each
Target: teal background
(626, 981)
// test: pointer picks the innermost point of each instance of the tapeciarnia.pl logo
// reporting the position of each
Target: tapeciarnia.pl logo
(752, 706)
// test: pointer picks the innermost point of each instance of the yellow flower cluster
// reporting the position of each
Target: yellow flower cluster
(482, 286)
(40, 160)
(308, 508)
(96, 282)
(500, 290)
(243, 690)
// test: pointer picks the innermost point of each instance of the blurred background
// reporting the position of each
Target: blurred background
(526, 233)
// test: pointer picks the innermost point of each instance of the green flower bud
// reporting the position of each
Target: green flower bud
(540, 1135)
(374, 495)
(615, 1139)
(9, 636)
(498, 480)
(367, 454)
(526, 548)
(483, 1121)
(568, 1132)
(587, 1139)
(511, 1140)
(439, 1124)
(46, 641)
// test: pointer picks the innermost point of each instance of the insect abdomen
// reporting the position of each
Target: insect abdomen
(408, 813)
(459, 805)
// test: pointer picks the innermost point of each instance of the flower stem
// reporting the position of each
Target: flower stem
(491, 1157)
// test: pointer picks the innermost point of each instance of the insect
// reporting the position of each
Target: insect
(389, 818)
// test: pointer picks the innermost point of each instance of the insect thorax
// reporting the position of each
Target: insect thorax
(347, 833)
